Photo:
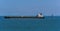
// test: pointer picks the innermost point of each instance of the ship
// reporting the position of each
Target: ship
(37, 16)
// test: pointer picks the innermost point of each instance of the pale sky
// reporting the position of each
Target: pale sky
(29, 7)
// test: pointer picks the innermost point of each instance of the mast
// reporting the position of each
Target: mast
(52, 15)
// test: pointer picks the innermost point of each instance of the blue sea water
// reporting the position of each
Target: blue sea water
(47, 24)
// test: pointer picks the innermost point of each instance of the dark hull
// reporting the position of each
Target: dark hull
(7, 17)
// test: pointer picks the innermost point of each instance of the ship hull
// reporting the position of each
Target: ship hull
(7, 17)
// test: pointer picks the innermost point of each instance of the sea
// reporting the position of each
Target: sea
(49, 23)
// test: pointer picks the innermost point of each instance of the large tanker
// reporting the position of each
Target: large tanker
(38, 16)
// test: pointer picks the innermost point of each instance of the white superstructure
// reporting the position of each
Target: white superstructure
(40, 15)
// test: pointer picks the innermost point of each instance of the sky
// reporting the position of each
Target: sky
(29, 7)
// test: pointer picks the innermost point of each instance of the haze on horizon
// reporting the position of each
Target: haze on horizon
(29, 7)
